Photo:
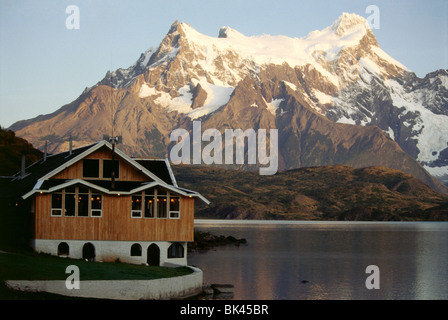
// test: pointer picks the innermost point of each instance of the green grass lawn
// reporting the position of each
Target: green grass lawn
(33, 266)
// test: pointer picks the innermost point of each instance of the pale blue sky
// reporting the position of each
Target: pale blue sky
(44, 65)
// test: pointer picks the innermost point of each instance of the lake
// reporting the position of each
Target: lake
(328, 260)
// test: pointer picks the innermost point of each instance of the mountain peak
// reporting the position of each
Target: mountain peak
(227, 32)
(178, 27)
(348, 21)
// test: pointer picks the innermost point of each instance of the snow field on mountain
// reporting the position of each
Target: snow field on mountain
(434, 127)
(217, 96)
(268, 49)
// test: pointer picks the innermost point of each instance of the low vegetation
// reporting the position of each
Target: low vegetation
(11, 150)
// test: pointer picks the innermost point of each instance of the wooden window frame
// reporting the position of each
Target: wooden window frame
(169, 214)
(91, 196)
(169, 207)
(153, 195)
(76, 195)
(61, 209)
(141, 195)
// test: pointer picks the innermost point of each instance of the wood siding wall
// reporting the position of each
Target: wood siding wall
(127, 172)
(115, 224)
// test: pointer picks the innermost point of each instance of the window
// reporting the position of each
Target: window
(70, 202)
(109, 166)
(136, 210)
(174, 207)
(63, 249)
(136, 250)
(56, 204)
(83, 202)
(155, 203)
(74, 201)
(162, 206)
(150, 207)
(176, 250)
(91, 168)
(96, 205)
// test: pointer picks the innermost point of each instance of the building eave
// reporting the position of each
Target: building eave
(68, 183)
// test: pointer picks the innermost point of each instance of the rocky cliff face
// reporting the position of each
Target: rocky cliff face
(335, 97)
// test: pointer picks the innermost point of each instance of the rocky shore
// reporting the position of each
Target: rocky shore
(206, 241)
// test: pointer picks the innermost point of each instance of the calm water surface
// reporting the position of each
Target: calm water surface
(328, 260)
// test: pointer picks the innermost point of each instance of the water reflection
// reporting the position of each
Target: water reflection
(328, 260)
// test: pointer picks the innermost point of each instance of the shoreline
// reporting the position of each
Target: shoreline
(202, 222)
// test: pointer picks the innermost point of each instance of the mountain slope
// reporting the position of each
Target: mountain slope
(327, 94)
(314, 193)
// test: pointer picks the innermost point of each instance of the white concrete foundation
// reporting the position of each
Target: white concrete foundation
(110, 251)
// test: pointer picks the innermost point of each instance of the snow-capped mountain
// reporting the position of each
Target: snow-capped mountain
(327, 93)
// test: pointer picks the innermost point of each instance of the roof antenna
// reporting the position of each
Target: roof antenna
(113, 139)
(45, 152)
(22, 166)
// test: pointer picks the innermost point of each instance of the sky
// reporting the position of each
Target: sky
(44, 64)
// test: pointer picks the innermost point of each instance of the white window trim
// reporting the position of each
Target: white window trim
(139, 216)
(90, 205)
(76, 194)
(96, 210)
(140, 212)
(169, 204)
(169, 213)
(61, 210)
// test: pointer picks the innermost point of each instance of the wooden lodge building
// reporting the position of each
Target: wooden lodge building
(97, 203)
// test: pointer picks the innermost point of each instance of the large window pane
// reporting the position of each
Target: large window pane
(56, 204)
(136, 210)
(83, 205)
(96, 204)
(107, 168)
(161, 206)
(70, 202)
(174, 206)
(149, 206)
(91, 168)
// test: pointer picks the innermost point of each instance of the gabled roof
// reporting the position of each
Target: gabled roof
(38, 176)
(161, 166)
(18, 185)
(92, 149)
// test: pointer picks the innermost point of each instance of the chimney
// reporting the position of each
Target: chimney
(22, 167)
